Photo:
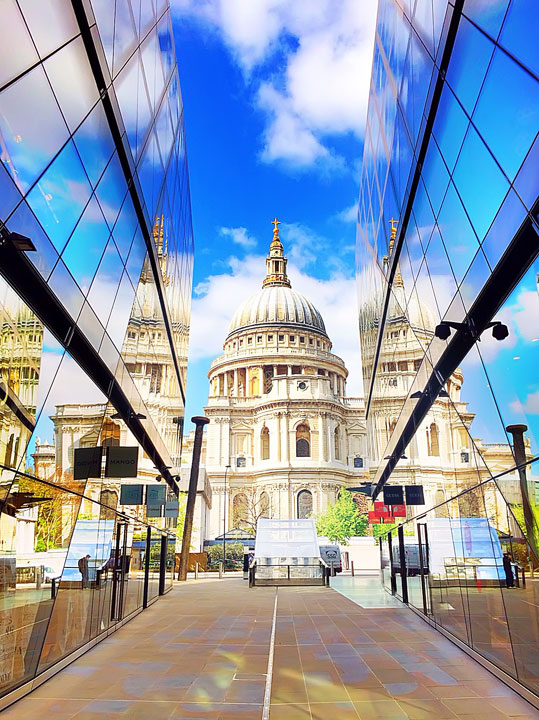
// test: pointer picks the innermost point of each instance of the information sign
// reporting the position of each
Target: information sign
(393, 495)
(87, 463)
(122, 462)
(155, 494)
(131, 494)
(414, 495)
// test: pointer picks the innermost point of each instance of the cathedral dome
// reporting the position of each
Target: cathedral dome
(277, 303)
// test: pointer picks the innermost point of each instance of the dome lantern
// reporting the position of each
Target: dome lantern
(276, 261)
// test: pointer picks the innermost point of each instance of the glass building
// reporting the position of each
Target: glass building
(447, 272)
(95, 282)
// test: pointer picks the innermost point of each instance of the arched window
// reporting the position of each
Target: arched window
(240, 510)
(255, 387)
(110, 433)
(265, 443)
(303, 440)
(433, 441)
(264, 506)
(337, 444)
(305, 504)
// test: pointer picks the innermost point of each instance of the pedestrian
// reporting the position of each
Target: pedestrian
(508, 569)
(83, 569)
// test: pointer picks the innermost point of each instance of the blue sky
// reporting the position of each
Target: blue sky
(275, 98)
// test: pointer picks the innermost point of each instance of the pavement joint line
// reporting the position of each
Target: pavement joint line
(269, 674)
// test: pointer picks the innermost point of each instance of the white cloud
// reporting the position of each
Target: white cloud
(324, 63)
(218, 297)
(529, 407)
(349, 214)
(239, 236)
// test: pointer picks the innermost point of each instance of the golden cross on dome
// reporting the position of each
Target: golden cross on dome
(275, 222)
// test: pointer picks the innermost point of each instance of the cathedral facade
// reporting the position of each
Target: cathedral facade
(281, 428)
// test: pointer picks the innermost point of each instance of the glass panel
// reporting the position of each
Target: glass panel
(519, 34)
(85, 247)
(73, 82)
(94, 143)
(479, 181)
(60, 196)
(17, 52)
(51, 22)
(510, 127)
(31, 139)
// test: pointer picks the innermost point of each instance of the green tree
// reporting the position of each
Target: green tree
(342, 520)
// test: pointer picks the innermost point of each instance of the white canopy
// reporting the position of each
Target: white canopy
(286, 538)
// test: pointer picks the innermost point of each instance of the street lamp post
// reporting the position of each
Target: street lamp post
(227, 468)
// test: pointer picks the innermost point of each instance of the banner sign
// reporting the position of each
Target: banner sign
(154, 511)
(398, 510)
(393, 495)
(381, 509)
(155, 494)
(131, 494)
(374, 518)
(87, 463)
(122, 462)
(414, 495)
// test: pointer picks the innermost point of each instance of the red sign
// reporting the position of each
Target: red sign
(398, 510)
(374, 519)
(380, 509)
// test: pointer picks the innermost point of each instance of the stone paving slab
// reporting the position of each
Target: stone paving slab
(202, 652)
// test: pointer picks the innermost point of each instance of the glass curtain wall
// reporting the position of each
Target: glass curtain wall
(95, 287)
(447, 227)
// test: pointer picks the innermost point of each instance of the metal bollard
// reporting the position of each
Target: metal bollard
(196, 570)
(352, 567)
(220, 571)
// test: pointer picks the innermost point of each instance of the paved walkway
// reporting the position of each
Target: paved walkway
(202, 652)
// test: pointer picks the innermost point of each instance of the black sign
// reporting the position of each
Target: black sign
(393, 495)
(131, 494)
(358, 462)
(414, 495)
(87, 463)
(153, 511)
(241, 462)
(155, 494)
(121, 462)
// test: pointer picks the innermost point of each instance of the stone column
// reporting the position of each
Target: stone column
(278, 438)
(236, 392)
(286, 438)
(321, 438)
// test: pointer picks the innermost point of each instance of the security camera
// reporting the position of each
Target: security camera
(442, 331)
(500, 331)
(159, 478)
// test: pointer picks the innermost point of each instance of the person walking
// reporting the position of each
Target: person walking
(508, 569)
(83, 569)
